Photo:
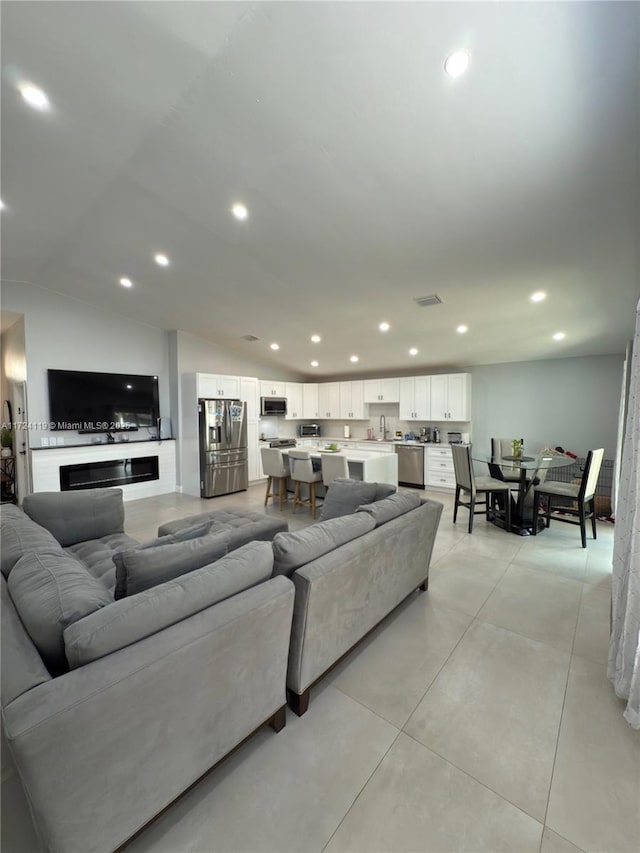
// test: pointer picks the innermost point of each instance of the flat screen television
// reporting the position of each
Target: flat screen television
(102, 402)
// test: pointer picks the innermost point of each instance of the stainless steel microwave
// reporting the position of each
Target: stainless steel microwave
(308, 430)
(270, 406)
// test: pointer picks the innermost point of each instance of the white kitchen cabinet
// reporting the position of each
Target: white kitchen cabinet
(310, 401)
(293, 393)
(381, 391)
(249, 395)
(329, 400)
(270, 388)
(439, 471)
(415, 398)
(253, 451)
(351, 400)
(215, 386)
(377, 446)
(451, 397)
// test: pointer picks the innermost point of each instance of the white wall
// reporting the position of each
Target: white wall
(67, 334)
(571, 402)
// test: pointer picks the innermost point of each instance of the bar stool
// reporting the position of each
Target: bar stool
(277, 471)
(302, 472)
(334, 465)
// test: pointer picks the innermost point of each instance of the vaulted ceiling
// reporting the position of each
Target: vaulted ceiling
(371, 177)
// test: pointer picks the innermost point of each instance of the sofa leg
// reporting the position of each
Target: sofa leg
(279, 719)
(424, 586)
(299, 703)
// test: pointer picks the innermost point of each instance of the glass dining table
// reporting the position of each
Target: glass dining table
(531, 470)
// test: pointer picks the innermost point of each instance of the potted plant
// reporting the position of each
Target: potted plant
(6, 440)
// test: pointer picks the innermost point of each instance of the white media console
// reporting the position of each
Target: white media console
(148, 466)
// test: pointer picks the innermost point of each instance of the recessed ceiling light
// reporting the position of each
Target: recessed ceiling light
(559, 336)
(126, 282)
(162, 260)
(129, 387)
(240, 212)
(314, 364)
(384, 327)
(35, 97)
(275, 346)
(413, 351)
(354, 358)
(462, 329)
(538, 296)
(457, 63)
(316, 339)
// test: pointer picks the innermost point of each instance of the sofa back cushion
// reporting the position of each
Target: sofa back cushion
(166, 558)
(139, 616)
(77, 516)
(51, 591)
(19, 535)
(391, 507)
(295, 549)
(345, 496)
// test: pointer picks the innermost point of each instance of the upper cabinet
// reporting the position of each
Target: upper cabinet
(415, 398)
(381, 391)
(268, 388)
(351, 400)
(451, 397)
(329, 400)
(295, 404)
(310, 400)
(216, 386)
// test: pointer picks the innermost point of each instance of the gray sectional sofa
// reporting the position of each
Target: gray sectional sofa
(112, 708)
(121, 661)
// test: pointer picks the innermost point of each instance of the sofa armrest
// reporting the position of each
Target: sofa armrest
(104, 748)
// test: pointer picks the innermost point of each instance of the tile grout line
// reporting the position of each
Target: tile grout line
(475, 779)
(360, 792)
(564, 702)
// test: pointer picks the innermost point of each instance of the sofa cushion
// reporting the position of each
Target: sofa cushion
(96, 555)
(138, 616)
(19, 535)
(261, 526)
(292, 550)
(384, 490)
(51, 591)
(192, 532)
(77, 516)
(391, 507)
(345, 496)
(158, 561)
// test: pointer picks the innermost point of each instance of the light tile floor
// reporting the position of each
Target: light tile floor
(476, 717)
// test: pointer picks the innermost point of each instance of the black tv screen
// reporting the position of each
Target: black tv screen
(102, 402)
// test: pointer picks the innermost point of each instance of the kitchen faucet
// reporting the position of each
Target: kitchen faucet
(383, 426)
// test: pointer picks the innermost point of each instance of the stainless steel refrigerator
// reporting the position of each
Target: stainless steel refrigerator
(223, 447)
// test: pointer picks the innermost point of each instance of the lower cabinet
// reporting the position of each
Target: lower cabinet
(439, 471)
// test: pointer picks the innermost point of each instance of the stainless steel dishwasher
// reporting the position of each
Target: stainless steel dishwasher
(410, 465)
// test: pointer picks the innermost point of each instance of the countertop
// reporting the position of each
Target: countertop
(105, 443)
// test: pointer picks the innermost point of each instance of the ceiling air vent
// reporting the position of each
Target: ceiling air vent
(251, 338)
(426, 301)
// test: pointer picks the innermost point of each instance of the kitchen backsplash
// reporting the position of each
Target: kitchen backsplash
(281, 428)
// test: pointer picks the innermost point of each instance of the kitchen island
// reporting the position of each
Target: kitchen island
(369, 465)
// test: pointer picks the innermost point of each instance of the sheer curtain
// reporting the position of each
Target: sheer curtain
(624, 646)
